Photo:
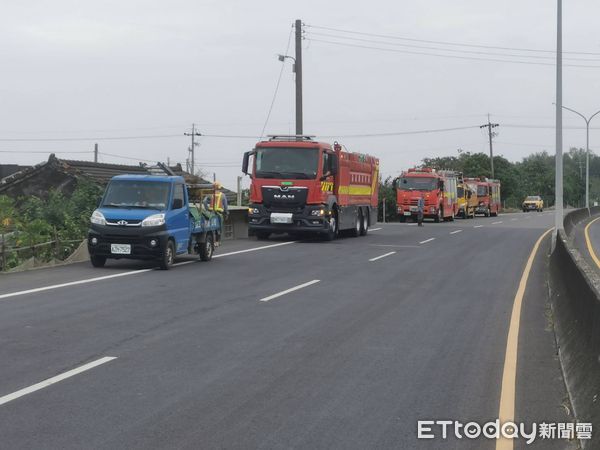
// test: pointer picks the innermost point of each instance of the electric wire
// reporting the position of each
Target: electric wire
(471, 58)
(287, 48)
(493, 47)
(469, 52)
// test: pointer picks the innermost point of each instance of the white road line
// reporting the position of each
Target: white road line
(375, 229)
(56, 379)
(477, 226)
(394, 245)
(254, 249)
(427, 240)
(73, 283)
(381, 256)
(496, 223)
(125, 274)
(287, 291)
(514, 219)
(457, 231)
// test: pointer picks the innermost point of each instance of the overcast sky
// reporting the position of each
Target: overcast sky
(73, 69)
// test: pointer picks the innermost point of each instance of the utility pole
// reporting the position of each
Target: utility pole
(95, 153)
(298, 67)
(193, 134)
(489, 126)
(239, 191)
(558, 194)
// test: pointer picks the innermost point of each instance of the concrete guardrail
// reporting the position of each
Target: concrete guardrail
(575, 292)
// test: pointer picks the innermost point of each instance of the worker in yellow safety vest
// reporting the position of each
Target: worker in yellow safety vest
(217, 201)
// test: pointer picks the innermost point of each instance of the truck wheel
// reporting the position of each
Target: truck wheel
(207, 248)
(365, 224)
(333, 227)
(355, 231)
(262, 235)
(98, 261)
(440, 216)
(168, 257)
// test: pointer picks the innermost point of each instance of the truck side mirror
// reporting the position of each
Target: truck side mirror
(177, 203)
(245, 163)
(441, 185)
(395, 183)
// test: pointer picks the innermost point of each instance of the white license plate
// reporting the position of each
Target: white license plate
(120, 249)
(414, 208)
(281, 217)
(407, 213)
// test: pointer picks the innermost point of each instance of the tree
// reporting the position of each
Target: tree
(387, 193)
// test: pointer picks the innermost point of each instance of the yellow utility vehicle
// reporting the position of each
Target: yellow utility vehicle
(533, 203)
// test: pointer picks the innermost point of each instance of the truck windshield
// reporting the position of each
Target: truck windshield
(137, 194)
(531, 198)
(482, 191)
(417, 184)
(286, 162)
(460, 191)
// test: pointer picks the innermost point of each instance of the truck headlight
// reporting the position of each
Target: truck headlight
(98, 218)
(155, 220)
(317, 212)
(252, 211)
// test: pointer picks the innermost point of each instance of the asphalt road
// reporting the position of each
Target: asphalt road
(225, 354)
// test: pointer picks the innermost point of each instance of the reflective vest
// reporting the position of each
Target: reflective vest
(219, 202)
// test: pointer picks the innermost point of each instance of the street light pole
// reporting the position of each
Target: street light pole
(299, 123)
(587, 152)
(558, 181)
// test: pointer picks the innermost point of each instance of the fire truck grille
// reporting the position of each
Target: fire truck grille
(287, 198)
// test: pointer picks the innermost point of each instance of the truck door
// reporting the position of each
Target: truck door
(178, 220)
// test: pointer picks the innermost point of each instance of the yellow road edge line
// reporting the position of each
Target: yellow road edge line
(588, 242)
(506, 411)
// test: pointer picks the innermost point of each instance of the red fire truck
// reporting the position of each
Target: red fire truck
(438, 189)
(488, 195)
(301, 186)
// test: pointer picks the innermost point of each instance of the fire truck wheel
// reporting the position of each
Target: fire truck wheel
(440, 216)
(169, 257)
(207, 248)
(262, 235)
(452, 217)
(355, 231)
(365, 224)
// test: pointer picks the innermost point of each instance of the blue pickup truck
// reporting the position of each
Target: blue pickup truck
(151, 217)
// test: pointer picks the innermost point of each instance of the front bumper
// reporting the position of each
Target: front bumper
(138, 237)
(302, 220)
(430, 212)
(531, 206)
